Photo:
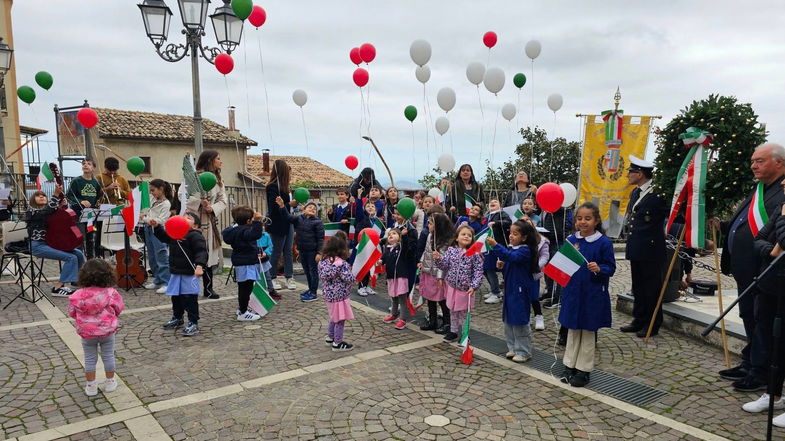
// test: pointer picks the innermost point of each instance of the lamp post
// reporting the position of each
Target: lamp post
(228, 31)
(5, 65)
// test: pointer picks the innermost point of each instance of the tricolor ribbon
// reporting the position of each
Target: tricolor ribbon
(614, 120)
(694, 135)
(690, 188)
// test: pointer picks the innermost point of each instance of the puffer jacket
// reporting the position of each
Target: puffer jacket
(243, 239)
(192, 249)
(95, 309)
(309, 230)
(336, 276)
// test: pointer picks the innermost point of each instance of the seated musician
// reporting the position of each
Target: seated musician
(36, 216)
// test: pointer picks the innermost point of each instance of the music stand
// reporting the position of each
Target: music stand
(113, 228)
(36, 293)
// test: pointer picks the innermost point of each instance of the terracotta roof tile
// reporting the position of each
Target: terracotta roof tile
(303, 169)
(128, 124)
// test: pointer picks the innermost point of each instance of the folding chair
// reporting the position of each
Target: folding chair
(24, 264)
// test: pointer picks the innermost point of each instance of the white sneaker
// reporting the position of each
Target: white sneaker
(539, 323)
(369, 291)
(778, 421)
(762, 404)
(521, 359)
(150, 285)
(291, 284)
(362, 291)
(161, 290)
(110, 385)
(509, 355)
(91, 389)
(493, 298)
(486, 295)
(248, 316)
(277, 285)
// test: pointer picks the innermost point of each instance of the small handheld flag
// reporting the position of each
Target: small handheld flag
(564, 264)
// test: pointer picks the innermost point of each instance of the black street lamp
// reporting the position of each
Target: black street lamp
(5, 65)
(228, 31)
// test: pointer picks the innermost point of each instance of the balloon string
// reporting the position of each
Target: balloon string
(266, 97)
(518, 112)
(305, 132)
(451, 151)
(482, 124)
(368, 101)
(493, 144)
(427, 136)
(550, 166)
(414, 160)
(247, 96)
(430, 117)
(228, 97)
(531, 124)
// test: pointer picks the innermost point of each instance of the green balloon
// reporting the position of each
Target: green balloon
(44, 79)
(519, 80)
(26, 94)
(410, 112)
(242, 8)
(208, 180)
(301, 195)
(405, 207)
(135, 165)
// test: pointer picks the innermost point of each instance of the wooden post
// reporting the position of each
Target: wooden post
(665, 284)
(389, 173)
(719, 298)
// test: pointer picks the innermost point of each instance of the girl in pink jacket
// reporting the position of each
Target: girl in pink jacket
(95, 306)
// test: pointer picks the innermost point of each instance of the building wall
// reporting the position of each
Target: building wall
(10, 120)
(166, 158)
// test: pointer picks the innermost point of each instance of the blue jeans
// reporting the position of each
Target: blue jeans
(493, 281)
(157, 256)
(282, 244)
(308, 260)
(72, 260)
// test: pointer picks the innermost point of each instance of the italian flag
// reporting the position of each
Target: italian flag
(90, 220)
(138, 199)
(351, 229)
(410, 301)
(514, 211)
(260, 300)
(479, 245)
(118, 210)
(441, 197)
(469, 202)
(468, 354)
(367, 255)
(378, 225)
(45, 175)
(330, 229)
(757, 216)
(564, 264)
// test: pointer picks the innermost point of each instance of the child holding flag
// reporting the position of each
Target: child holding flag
(473, 219)
(519, 263)
(366, 218)
(242, 236)
(464, 276)
(397, 257)
(336, 276)
(499, 223)
(583, 265)
(265, 250)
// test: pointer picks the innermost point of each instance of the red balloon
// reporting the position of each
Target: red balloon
(367, 52)
(177, 227)
(87, 117)
(372, 234)
(354, 55)
(360, 77)
(489, 39)
(258, 16)
(550, 197)
(224, 63)
(351, 162)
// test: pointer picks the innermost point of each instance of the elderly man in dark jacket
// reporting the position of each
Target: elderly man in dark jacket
(309, 230)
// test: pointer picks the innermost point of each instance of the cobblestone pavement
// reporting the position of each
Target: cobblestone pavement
(275, 379)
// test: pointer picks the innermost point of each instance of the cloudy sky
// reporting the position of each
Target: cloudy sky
(663, 55)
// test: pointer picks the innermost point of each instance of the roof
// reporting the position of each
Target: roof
(128, 124)
(32, 131)
(303, 169)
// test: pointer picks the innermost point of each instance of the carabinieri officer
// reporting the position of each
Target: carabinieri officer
(646, 215)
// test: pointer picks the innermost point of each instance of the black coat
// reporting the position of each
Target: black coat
(398, 261)
(772, 233)
(646, 229)
(744, 261)
(359, 183)
(279, 223)
(192, 249)
(560, 223)
(243, 239)
(309, 230)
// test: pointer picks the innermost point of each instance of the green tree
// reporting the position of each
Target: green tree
(736, 134)
(546, 160)
(432, 178)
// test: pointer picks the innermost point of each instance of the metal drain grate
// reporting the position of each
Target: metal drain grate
(602, 382)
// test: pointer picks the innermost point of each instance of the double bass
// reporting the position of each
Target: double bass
(62, 233)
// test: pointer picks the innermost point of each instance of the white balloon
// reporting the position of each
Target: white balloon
(533, 49)
(494, 79)
(420, 51)
(423, 73)
(300, 97)
(570, 194)
(446, 98)
(434, 193)
(446, 162)
(442, 125)
(474, 72)
(555, 101)
(508, 111)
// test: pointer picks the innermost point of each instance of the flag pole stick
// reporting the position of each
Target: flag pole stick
(719, 298)
(665, 284)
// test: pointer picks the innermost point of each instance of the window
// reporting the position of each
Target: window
(146, 160)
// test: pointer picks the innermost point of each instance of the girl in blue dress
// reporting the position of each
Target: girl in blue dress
(586, 303)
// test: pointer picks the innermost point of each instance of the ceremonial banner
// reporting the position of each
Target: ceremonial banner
(604, 164)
